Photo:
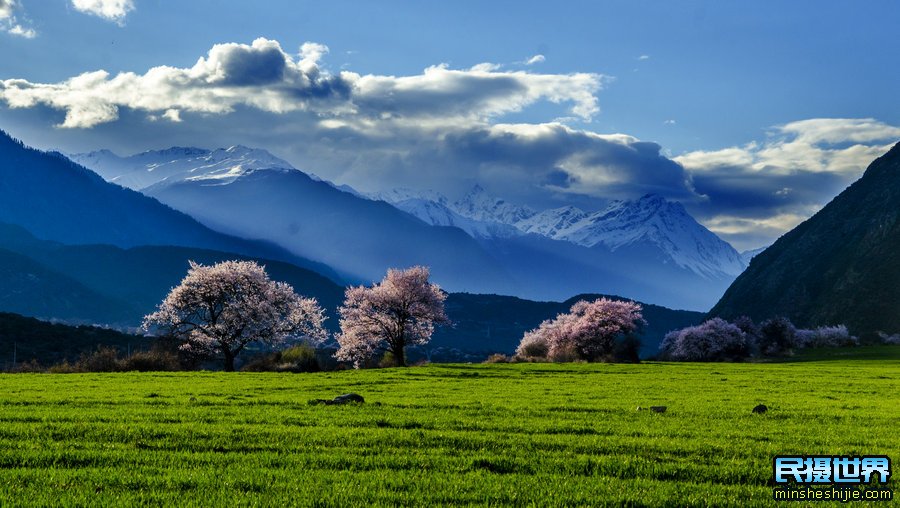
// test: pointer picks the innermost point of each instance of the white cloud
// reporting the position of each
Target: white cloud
(644, 57)
(772, 226)
(110, 10)
(10, 24)
(760, 190)
(836, 145)
(839, 130)
(6, 8)
(264, 77)
(536, 59)
(21, 31)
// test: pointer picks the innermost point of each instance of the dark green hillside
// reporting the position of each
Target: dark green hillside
(840, 266)
(24, 339)
(30, 287)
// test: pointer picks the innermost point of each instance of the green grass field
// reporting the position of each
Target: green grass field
(520, 434)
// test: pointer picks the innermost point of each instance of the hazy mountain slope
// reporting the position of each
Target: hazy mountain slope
(55, 199)
(31, 288)
(119, 286)
(354, 235)
(555, 269)
(649, 249)
(840, 266)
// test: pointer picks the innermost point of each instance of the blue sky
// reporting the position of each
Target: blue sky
(753, 114)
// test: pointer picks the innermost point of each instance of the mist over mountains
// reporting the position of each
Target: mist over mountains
(649, 249)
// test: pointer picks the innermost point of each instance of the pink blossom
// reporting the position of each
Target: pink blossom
(219, 309)
(588, 331)
(400, 311)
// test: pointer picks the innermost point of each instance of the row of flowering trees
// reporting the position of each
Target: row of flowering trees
(216, 311)
(718, 340)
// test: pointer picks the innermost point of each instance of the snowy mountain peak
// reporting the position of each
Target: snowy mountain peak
(434, 208)
(175, 151)
(402, 194)
(666, 225)
(175, 164)
(481, 206)
(551, 222)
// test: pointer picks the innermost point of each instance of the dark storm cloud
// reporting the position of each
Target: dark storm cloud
(246, 66)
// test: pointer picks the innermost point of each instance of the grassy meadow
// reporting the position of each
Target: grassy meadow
(498, 434)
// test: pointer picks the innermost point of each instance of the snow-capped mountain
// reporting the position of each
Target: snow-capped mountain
(165, 167)
(551, 222)
(433, 208)
(480, 205)
(651, 222)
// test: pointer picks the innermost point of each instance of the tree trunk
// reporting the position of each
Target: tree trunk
(400, 356)
(229, 361)
(400, 343)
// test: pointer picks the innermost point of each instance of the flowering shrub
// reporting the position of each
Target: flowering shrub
(777, 336)
(714, 340)
(589, 331)
(826, 336)
(535, 344)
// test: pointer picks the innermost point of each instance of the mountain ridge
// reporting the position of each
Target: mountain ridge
(837, 267)
(56, 199)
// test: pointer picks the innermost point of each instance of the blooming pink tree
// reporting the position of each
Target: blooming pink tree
(400, 311)
(715, 340)
(218, 310)
(588, 331)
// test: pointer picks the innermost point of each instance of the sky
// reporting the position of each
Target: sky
(751, 114)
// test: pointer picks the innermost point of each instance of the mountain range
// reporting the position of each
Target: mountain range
(659, 224)
(649, 249)
(77, 248)
(55, 199)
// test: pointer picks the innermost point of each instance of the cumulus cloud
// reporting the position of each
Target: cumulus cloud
(10, 24)
(110, 10)
(536, 59)
(762, 189)
(263, 76)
